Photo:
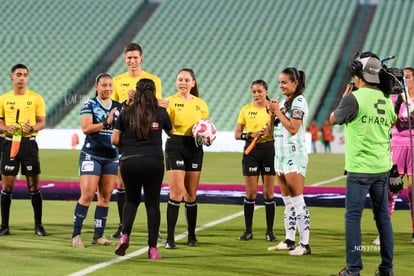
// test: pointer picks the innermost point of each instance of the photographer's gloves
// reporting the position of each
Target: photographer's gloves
(394, 181)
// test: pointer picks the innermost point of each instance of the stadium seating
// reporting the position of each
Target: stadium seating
(231, 43)
(228, 44)
(58, 40)
(390, 32)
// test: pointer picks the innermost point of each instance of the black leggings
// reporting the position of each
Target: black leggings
(138, 172)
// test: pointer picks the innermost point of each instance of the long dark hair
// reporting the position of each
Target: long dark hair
(194, 90)
(295, 75)
(143, 111)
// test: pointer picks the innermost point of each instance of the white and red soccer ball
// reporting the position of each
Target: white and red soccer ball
(204, 132)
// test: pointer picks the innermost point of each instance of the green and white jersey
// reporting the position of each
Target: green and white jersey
(285, 143)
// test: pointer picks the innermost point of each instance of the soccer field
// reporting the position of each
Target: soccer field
(219, 252)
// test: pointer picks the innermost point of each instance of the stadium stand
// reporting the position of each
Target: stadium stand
(58, 41)
(227, 43)
(231, 43)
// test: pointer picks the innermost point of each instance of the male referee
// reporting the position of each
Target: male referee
(21, 111)
(124, 90)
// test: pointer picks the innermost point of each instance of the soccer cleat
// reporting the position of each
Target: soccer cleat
(345, 272)
(284, 245)
(4, 230)
(77, 242)
(192, 241)
(270, 237)
(300, 250)
(118, 232)
(246, 236)
(122, 245)
(40, 230)
(376, 241)
(102, 241)
(153, 253)
(170, 245)
(377, 273)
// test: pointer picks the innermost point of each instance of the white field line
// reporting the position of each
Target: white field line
(145, 249)
(321, 183)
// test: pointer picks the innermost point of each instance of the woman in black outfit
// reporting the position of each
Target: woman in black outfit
(139, 130)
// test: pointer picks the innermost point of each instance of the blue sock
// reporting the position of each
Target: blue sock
(78, 218)
(101, 215)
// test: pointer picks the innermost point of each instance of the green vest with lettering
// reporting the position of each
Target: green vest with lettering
(367, 136)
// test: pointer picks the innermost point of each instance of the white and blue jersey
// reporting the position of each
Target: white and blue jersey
(99, 143)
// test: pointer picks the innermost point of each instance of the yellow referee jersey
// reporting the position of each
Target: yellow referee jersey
(123, 83)
(184, 114)
(31, 105)
(254, 119)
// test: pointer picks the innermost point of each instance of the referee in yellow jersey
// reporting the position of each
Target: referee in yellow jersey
(22, 112)
(124, 90)
(184, 158)
(253, 118)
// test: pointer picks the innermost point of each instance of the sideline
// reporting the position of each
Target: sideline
(321, 183)
(145, 249)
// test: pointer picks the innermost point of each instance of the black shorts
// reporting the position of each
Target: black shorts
(181, 153)
(28, 157)
(261, 160)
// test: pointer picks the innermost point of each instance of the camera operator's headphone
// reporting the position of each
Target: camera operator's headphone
(355, 65)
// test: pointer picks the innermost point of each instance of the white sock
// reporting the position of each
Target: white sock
(289, 218)
(303, 218)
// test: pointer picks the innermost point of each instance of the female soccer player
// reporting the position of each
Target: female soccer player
(184, 158)
(98, 162)
(291, 158)
(260, 161)
(139, 130)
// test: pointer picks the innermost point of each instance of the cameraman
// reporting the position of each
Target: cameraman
(368, 115)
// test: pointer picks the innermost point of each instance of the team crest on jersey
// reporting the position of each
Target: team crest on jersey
(29, 102)
(155, 126)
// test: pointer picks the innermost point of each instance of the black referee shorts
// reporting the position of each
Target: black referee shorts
(181, 153)
(28, 157)
(261, 160)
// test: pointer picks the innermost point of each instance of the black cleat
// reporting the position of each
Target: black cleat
(118, 232)
(40, 230)
(246, 236)
(270, 237)
(170, 245)
(192, 241)
(4, 230)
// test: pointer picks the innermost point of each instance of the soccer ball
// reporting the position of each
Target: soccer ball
(204, 132)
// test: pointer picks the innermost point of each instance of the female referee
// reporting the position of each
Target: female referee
(98, 161)
(260, 161)
(291, 158)
(183, 157)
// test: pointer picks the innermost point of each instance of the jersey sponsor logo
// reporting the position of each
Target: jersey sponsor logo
(87, 166)
(179, 163)
(124, 84)
(29, 103)
(179, 105)
(9, 168)
(252, 169)
(10, 103)
(194, 165)
(252, 114)
(375, 120)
